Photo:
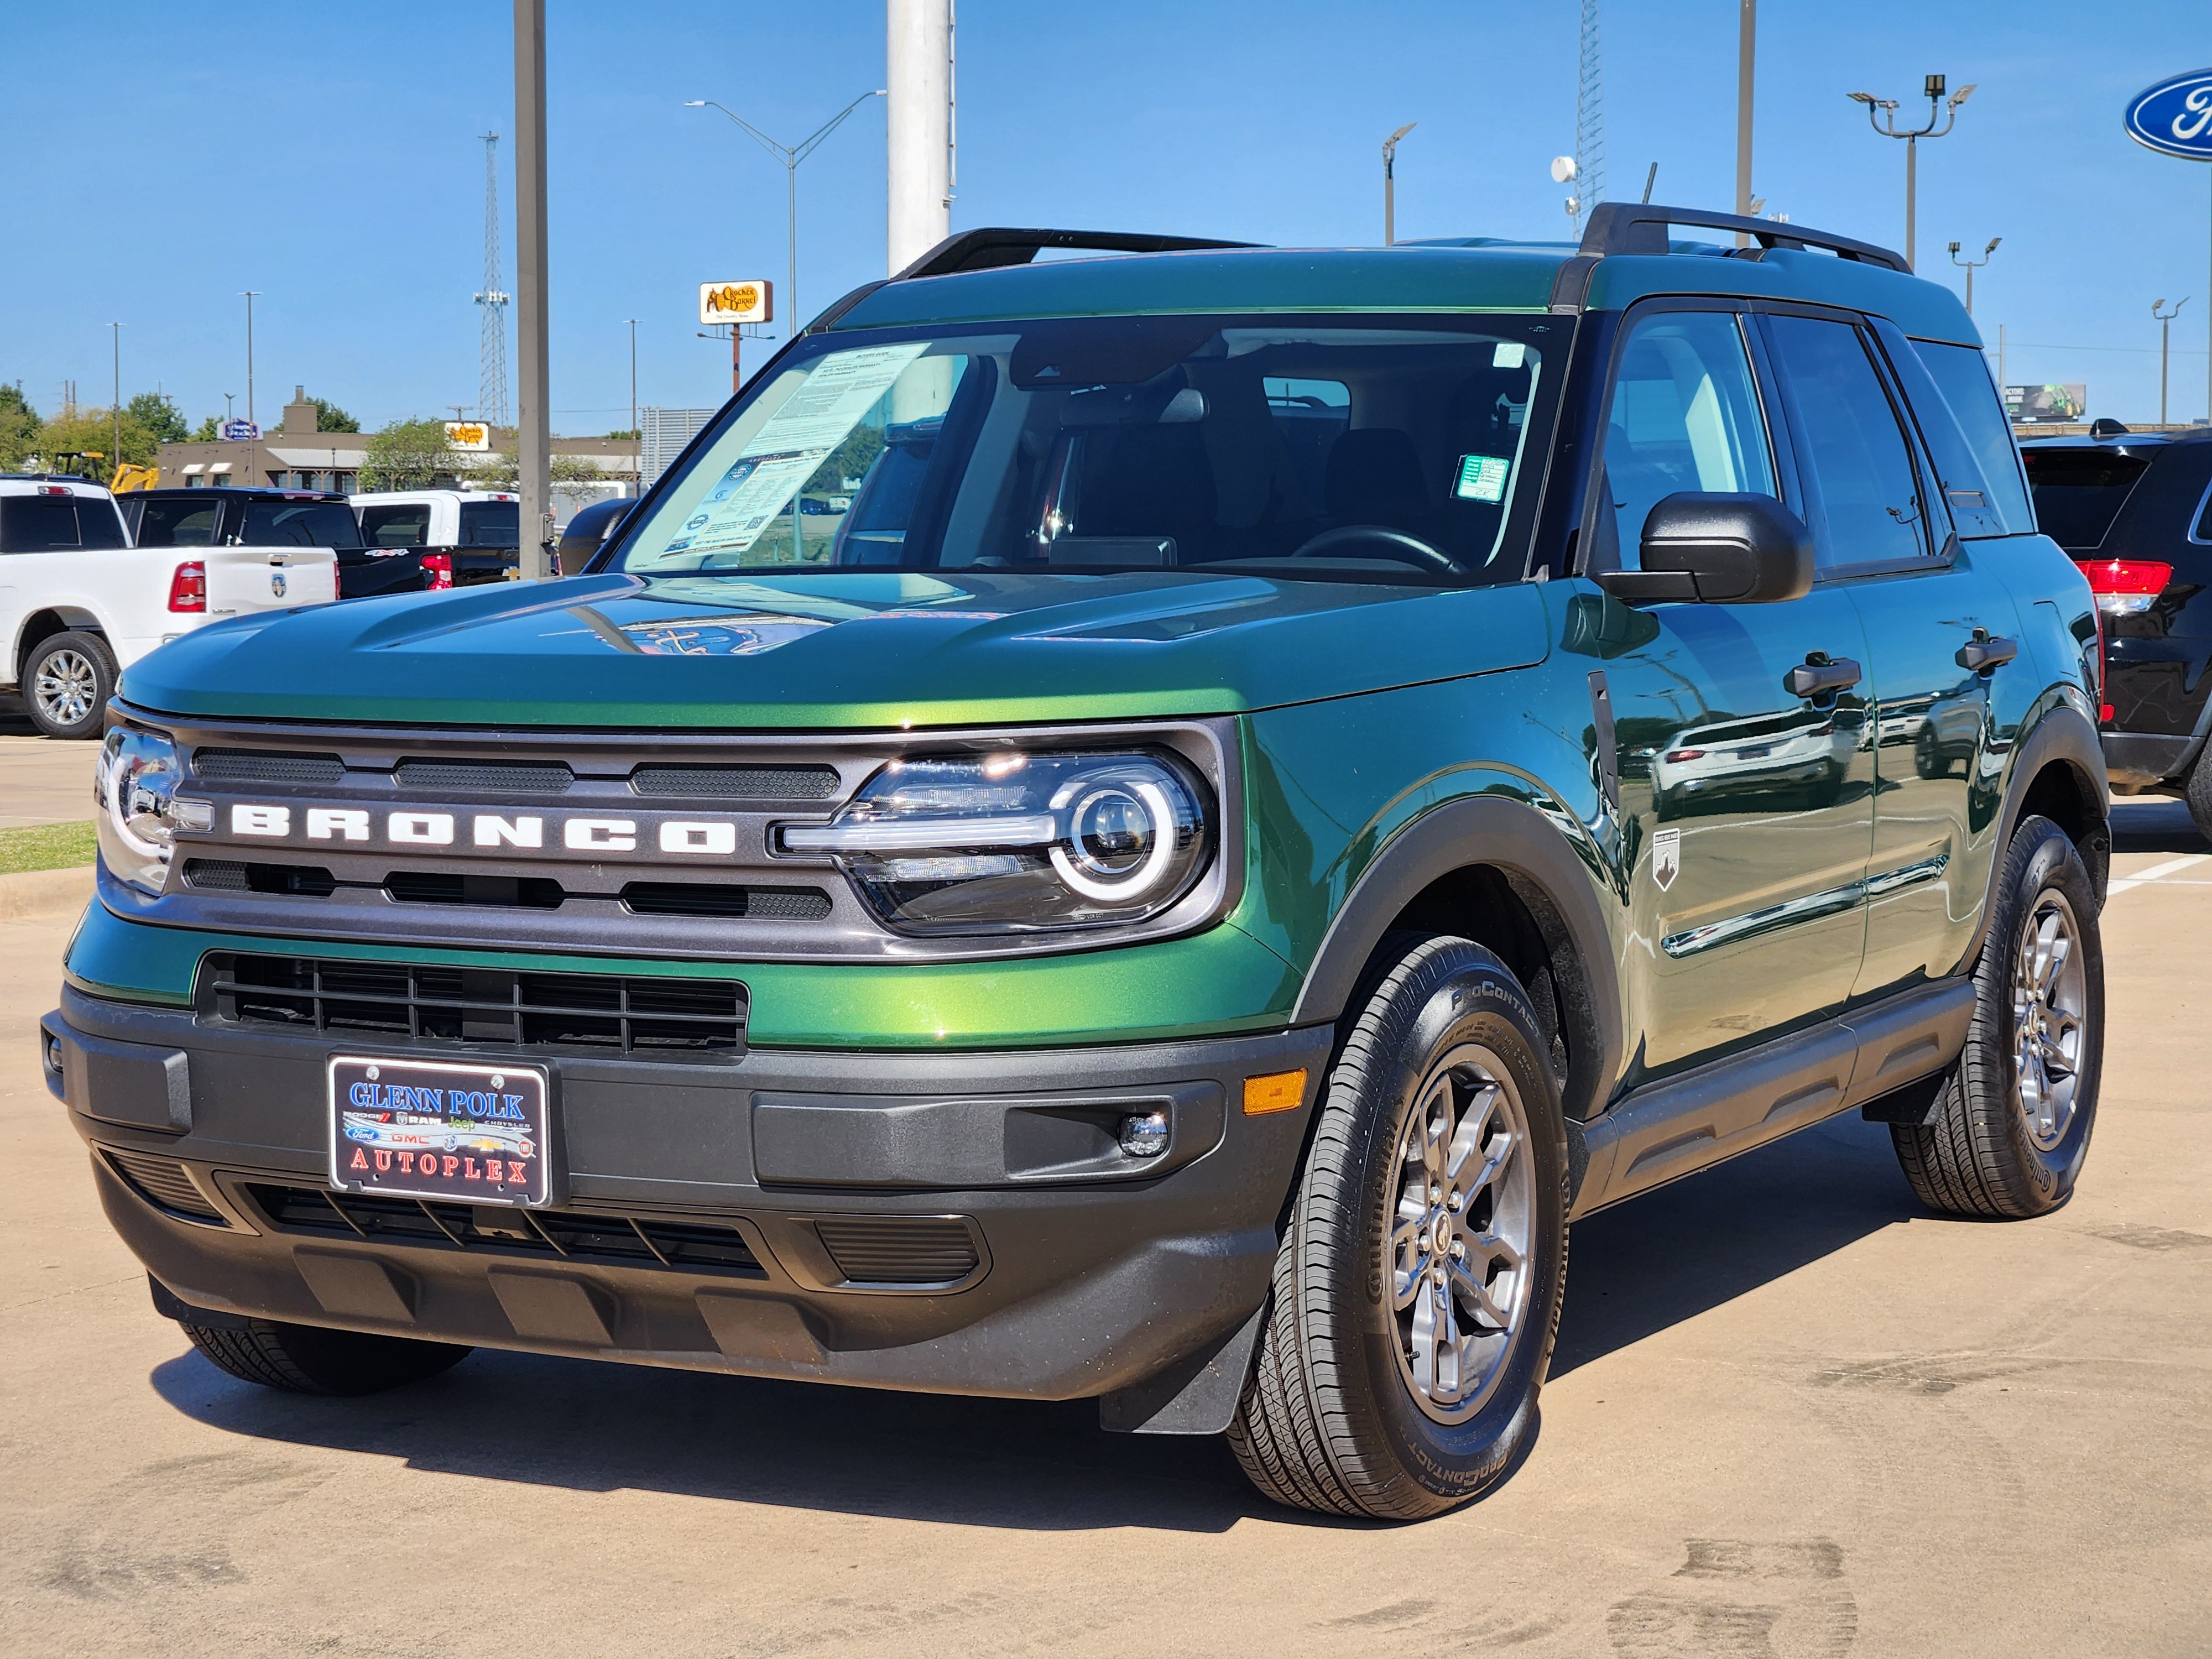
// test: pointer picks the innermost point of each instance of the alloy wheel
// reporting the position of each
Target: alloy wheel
(1460, 1239)
(65, 686)
(2049, 1001)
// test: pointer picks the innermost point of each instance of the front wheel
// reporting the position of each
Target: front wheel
(2012, 1124)
(67, 681)
(309, 1359)
(1417, 1291)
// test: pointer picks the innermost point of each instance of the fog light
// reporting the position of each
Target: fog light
(1144, 1134)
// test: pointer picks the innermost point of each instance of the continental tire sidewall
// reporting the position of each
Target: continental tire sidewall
(1462, 995)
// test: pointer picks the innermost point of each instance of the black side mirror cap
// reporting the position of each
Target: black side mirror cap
(1718, 549)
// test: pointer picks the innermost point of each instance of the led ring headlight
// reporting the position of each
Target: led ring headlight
(1093, 873)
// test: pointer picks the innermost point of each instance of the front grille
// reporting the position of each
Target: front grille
(265, 766)
(606, 1013)
(163, 1183)
(436, 887)
(485, 777)
(570, 1235)
(898, 1249)
(700, 898)
(737, 782)
(228, 876)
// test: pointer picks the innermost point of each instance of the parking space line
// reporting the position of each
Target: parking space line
(2157, 871)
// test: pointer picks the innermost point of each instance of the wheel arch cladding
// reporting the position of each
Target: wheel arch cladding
(1500, 873)
(2059, 774)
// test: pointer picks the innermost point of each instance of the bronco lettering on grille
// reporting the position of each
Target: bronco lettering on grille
(491, 831)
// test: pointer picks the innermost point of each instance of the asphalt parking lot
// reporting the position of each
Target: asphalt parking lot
(1791, 1415)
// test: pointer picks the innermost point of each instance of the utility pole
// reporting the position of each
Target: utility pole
(533, 440)
(253, 444)
(115, 459)
(1746, 38)
(919, 129)
(2165, 320)
(1970, 266)
(1882, 116)
(636, 436)
(1390, 183)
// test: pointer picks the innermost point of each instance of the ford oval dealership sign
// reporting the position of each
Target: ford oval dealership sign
(2175, 116)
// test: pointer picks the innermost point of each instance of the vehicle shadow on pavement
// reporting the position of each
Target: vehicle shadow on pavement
(1641, 1266)
(2155, 823)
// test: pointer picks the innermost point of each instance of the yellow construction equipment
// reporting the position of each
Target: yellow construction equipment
(129, 475)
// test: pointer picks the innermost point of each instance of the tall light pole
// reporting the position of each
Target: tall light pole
(1746, 41)
(790, 156)
(921, 133)
(1970, 266)
(533, 417)
(1882, 116)
(253, 443)
(115, 460)
(2165, 320)
(1390, 183)
(636, 433)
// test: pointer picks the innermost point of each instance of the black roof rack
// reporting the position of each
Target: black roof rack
(988, 249)
(1617, 228)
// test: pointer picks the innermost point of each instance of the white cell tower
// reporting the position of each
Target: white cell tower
(491, 384)
(1590, 120)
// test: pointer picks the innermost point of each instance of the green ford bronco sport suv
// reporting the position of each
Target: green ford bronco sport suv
(1150, 828)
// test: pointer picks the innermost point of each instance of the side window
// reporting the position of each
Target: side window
(1868, 504)
(1684, 415)
(1962, 375)
(402, 524)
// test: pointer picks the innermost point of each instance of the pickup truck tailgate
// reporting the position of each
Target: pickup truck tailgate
(244, 578)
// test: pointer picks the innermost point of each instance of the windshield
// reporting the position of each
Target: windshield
(1368, 448)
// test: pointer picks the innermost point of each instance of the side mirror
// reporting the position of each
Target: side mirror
(588, 531)
(1719, 550)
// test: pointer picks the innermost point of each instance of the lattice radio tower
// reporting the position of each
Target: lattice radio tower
(491, 384)
(1590, 120)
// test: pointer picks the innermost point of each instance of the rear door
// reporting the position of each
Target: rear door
(1748, 810)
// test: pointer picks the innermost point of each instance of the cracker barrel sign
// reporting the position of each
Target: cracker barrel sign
(468, 435)
(736, 302)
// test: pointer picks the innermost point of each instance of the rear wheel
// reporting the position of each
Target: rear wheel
(309, 1359)
(67, 681)
(2200, 792)
(2013, 1121)
(1417, 1291)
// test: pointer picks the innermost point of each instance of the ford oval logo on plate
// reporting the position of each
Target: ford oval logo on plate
(2174, 116)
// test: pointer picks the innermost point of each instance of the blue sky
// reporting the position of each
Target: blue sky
(173, 154)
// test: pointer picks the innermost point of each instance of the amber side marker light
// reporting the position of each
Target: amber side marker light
(1277, 1092)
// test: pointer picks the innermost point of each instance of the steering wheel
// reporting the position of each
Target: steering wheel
(1385, 543)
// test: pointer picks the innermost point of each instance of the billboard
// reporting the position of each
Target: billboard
(468, 435)
(746, 302)
(2028, 405)
(239, 432)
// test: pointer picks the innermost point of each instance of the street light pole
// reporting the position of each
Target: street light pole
(1882, 116)
(1746, 38)
(1970, 266)
(1390, 183)
(790, 156)
(636, 433)
(253, 443)
(2165, 320)
(533, 419)
(115, 460)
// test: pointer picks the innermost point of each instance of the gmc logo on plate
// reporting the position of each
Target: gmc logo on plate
(487, 831)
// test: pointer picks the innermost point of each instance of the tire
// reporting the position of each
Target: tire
(2200, 792)
(67, 681)
(1347, 1413)
(1999, 1147)
(307, 1359)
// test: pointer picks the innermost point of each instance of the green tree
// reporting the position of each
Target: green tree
(19, 427)
(329, 417)
(850, 459)
(208, 431)
(626, 436)
(410, 455)
(85, 442)
(501, 470)
(158, 414)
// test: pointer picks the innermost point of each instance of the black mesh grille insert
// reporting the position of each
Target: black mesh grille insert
(265, 766)
(737, 782)
(700, 898)
(163, 1183)
(659, 1017)
(228, 876)
(898, 1249)
(485, 777)
(574, 1235)
(437, 887)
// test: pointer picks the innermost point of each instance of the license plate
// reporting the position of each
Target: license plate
(427, 1129)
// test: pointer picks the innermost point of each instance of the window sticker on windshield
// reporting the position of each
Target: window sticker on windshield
(1482, 477)
(837, 393)
(1510, 354)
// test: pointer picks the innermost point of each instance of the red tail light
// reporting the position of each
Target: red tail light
(1685, 754)
(188, 587)
(440, 568)
(2126, 587)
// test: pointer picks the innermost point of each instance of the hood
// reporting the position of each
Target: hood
(836, 650)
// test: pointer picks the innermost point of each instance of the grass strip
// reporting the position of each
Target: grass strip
(45, 846)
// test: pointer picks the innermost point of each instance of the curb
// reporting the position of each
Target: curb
(45, 895)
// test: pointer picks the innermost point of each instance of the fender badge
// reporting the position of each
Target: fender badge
(1665, 857)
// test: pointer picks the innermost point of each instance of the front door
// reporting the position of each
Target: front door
(1746, 809)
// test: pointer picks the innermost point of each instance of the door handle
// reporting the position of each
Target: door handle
(1821, 679)
(1982, 656)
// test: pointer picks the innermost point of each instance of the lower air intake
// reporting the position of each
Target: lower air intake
(904, 1250)
(163, 1183)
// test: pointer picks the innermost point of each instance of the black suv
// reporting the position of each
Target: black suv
(2134, 510)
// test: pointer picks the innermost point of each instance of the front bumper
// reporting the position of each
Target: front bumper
(955, 1222)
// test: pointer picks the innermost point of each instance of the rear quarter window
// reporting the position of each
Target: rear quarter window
(1962, 374)
(2079, 492)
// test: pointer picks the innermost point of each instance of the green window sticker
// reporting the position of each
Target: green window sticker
(1482, 477)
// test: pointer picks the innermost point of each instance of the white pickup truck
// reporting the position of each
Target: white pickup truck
(79, 601)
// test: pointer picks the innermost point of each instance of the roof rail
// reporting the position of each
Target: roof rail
(1617, 227)
(987, 249)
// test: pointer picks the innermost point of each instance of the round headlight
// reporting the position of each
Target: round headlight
(135, 780)
(1114, 850)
